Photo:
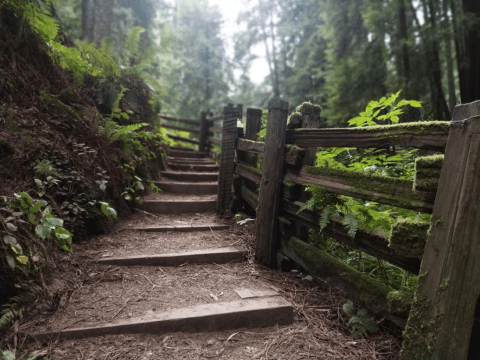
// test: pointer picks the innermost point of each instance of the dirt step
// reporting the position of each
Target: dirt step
(209, 168)
(183, 228)
(191, 160)
(181, 148)
(217, 256)
(186, 154)
(245, 313)
(190, 176)
(206, 188)
(178, 206)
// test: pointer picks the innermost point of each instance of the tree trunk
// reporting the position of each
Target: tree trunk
(452, 100)
(468, 56)
(405, 62)
(103, 20)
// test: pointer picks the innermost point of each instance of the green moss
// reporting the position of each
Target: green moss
(289, 183)
(284, 221)
(420, 334)
(427, 172)
(295, 117)
(408, 237)
(399, 302)
(372, 186)
(444, 285)
(308, 107)
(294, 155)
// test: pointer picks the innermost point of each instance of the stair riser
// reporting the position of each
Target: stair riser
(191, 177)
(188, 189)
(186, 154)
(209, 168)
(178, 207)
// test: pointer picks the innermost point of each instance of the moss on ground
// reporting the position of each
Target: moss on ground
(408, 237)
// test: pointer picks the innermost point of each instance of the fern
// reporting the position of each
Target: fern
(351, 223)
(124, 132)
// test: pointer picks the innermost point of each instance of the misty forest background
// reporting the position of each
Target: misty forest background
(337, 53)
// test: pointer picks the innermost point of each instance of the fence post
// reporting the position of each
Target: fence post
(227, 159)
(268, 203)
(202, 138)
(442, 314)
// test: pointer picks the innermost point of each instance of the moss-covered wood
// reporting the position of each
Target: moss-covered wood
(429, 135)
(295, 121)
(250, 146)
(359, 287)
(408, 237)
(372, 244)
(250, 197)
(427, 172)
(184, 139)
(249, 172)
(309, 108)
(179, 128)
(215, 140)
(294, 156)
(386, 190)
(291, 191)
(442, 316)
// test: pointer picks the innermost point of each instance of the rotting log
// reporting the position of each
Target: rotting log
(251, 146)
(442, 316)
(370, 293)
(269, 200)
(372, 244)
(227, 160)
(408, 237)
(386, 190)
(428, 135)
(181, 138)
(179, 128)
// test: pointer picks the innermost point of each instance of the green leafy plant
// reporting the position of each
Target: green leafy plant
(8, 355)
(107, 210)
(384, 109)
(360, 321)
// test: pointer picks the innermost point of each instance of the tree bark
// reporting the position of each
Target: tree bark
(103, 20)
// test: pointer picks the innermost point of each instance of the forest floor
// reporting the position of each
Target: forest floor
(102, 294)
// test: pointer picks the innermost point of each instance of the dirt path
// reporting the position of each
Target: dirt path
(98, 294)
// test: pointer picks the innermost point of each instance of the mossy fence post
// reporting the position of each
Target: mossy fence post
(227, 159)
(270, 185)
(442, 315)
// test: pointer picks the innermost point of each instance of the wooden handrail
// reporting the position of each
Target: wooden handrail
(187, 121)
(194, 131)
(181, 138)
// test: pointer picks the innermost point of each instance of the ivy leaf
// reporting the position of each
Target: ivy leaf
(27, 198)
(54, 221)
(9, 240)
(22, 259)
(11, 261)
(11, 227)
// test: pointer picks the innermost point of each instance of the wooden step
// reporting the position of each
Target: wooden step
(183, 228)
(190, 160)
(207, 188)
(190, 176)
(186, 154)
(209, 168)
(210, 256)
(178, 206)
(181, 148)
(245, 313)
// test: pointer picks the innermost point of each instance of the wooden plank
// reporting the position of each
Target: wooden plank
(442, 316)
(248, 172)
(179, 128)
(186, 121)
(390, 191)
(188, 188)
(372, 244)
(250, 197)
(431, 135)
(183, 228)
(216, 118)
(203, 132)
(207, 256)
(245, 313)
(215, 140)
(361, 288)
(251, 146)
(186, 154)
(269, 201)
(215, 129)
(190, 176)
(227, 160)
(177, 206)
(204, 160)
(184, 139)
(193, 167)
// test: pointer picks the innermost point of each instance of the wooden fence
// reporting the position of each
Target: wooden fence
(443, 319)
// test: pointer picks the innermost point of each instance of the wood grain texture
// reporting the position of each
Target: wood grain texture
(248, 172)
(181, 138)
(372, 244)
(215, 118)
(269, 200)
(215, 140)
(344, 137)
(398, 193)
(203, 132)
(250, 197)
(227, 160)
(440, 323)
(251, 146)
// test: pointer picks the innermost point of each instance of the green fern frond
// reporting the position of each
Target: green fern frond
(351, 223)
(126, 130)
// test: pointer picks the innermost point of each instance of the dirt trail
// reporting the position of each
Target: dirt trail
(111, 294)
